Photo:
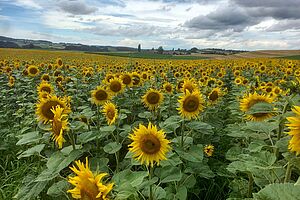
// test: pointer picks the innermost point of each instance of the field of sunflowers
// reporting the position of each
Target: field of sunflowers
(94, 127)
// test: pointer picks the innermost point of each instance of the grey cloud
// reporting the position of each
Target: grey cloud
(285, 25)
(267, 3)
(229, 18)
(76, 7)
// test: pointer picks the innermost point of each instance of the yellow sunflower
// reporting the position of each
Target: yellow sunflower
(88, 185)
(100, 95)
(168, 87)
(127, 79)
(59, 125)
(149, 145)
(294, 126)
(111, 113)
(191, 104)
(45, 77)
(116, 85)
(136, 79)
(152, 99)
(45, 87)
(33, 70)
(215, 95)
(251, 100)
(188, 85)
(209, 150)
(44, 106)
(11, 81)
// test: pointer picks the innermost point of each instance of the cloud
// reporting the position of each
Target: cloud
(229, 18)
(285, 25)
(76, 7)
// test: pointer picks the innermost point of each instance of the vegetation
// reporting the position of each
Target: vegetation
(85, 126)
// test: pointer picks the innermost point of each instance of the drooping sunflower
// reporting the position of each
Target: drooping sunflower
(188, 85)
(45, 87)
(11, 81)
(209, 150)
(88, 185)
(294, 126)
(33, 70)
(44, 106)
(149, 145)
(190, 105)
(111, 113)
(100, 95)
(152, 99)
(215, 95)
(59, 125)
(45, 77)
(168, 87)
(251, 100)
(116, 85)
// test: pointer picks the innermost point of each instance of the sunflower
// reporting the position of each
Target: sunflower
(59, 125)
(209, 150)
(188, 85)
(45, 77)
(59, 62)
(111, 113)
(168, 87)
(100, 95)
(238, 80)
(136, 79)
(149, 145)
(45, 87)
(191, 104)
(116, 85)
(11, 81)
(215, 95)
(43, 108)
(251, 100)
(88, 185)
(33, 70)
(152, 99)
(294, 126)
(127, 79)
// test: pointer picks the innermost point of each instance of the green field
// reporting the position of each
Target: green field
(295, 57)
(149, 55)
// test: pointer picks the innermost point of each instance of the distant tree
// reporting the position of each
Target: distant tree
(139, 48)
(152, 49)
(194, 50)
(160, 50)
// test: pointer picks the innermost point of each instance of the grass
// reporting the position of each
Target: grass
(149, 55)
(294, 57)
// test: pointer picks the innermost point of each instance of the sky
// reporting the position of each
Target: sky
(228, 24)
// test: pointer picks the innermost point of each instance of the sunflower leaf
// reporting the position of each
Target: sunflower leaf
(112, 147)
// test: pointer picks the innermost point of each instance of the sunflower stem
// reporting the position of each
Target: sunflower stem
(151, 169)
(182, 134)
(280, 128)
(288, 172)
(250, 185)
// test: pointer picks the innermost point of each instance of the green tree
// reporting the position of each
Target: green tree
(160, 50)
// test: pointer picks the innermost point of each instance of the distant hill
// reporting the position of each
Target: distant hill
(6, 42)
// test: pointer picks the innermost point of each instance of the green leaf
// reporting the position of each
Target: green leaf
(31, 190)
(181, 193)
(112, 147)
(36, 150)
(194, 154)
(159, 193)
(135, 179)
(278, 191)
(58, 189)
(171, 124)
(87, 136)
(145, 115)
(169, 174)
(260, 107)
(200, 127)
(29, 138)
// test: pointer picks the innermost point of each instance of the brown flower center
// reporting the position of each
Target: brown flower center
(46, 108)
(115, 86)
(33, 70)
(150, 144)
(153, 98)
(46, 89)
(191, 104)
(168, 88)
(101, 95)
(110, 114)
(214, 96)
(126, 79)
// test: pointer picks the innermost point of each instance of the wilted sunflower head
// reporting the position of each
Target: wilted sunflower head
(136, 79)
(116, 85)
(44, 106)
(215, 95)
(111, 113)
(88, 185)
(190, 105)
(59, 125)
(100, 95)
(251, 104)
(149, 145)
(152, 99)
(33, 70)
(45, 77)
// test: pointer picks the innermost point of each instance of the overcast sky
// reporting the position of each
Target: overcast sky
(230, 24)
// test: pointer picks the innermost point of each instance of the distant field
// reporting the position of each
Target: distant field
(295, 57)
(151, 56)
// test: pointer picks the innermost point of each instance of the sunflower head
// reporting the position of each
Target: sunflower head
(100, 95)
(44, 106)
(190, 105)
(188, 85)
(209, 150)
(45, 77)
(127, 79)
(215, 95)
(111, 113)
(59, 125)
(136, 79)
(11, 81)
(168, 87)
(116, 85)
(149, 145)
(88, 185)
(33, 70)
(251, 101)
(45, 87)
(294, 130)
(152, 99)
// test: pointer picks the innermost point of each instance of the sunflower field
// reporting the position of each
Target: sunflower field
(96, 127)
